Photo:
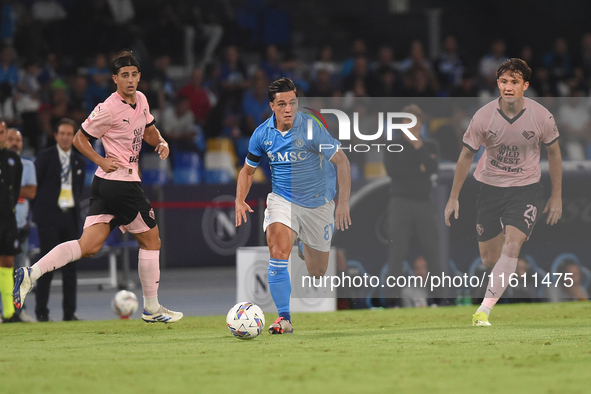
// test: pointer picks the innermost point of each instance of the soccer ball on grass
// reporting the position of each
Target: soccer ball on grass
(245, 320)
(124, 304)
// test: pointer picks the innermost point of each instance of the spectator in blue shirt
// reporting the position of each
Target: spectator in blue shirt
(8, 71)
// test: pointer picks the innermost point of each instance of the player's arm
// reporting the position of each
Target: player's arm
(153, 137)
(82, 143)
(554, 204)
(245, 178)
(342, 215)
(28, 191)
(17, 180)
(462, 169)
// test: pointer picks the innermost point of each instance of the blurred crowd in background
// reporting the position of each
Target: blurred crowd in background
(206, 67)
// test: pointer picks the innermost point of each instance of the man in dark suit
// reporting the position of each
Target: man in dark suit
(60, 179)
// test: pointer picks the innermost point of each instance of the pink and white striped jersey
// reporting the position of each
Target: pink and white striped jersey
(512, 155)
(121, 127)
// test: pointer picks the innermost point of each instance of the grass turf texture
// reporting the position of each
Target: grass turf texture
(541, 348)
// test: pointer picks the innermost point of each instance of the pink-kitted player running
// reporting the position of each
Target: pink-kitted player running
(117, 198)
(512, 129)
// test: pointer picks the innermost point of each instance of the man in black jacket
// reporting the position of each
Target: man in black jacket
(11, 170)
(60, 179)
(411, 211)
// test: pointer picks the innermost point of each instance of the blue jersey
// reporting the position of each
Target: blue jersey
(300, 167)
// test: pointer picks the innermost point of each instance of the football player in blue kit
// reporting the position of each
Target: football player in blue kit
(301, 204)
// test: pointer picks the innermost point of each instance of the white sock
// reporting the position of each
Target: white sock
(151, 304)
(484, 309)
(35, 273)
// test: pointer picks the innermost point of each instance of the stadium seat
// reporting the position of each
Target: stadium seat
(242, 149)
(221, 145)
(259, 177)
(355, 265)
(154, 177)
(220, 161)
(460, 291)
(186, 168)
(90, 169)
(384, 273)
(356, 173)
(217, 176)
(407, 268)
(375, 170)
(454, 268)
(557, 267)
(475, 266)
(216, 160)
(534, 267)
(154, 171)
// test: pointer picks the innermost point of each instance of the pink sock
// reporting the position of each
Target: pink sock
(149, 270)
(59, 256)
(497, 285)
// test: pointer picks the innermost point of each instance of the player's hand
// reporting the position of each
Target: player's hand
(342, 216)
(163, 150)
(109, 164)
(554, 210)
(241, 207)
(453, 206)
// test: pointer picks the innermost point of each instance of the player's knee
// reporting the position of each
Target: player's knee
(156, 244)
(279, 253)
(511, 248)
(150, 244)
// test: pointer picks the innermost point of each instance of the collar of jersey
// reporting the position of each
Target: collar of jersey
(133, 106)
(513, 119)
(296, 123)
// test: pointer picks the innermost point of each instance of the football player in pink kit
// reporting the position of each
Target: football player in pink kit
(117, 199)
(512, 129)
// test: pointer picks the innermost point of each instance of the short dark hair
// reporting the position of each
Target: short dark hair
(67, 121)
(515, 65)
(279, 86)
(124, 59)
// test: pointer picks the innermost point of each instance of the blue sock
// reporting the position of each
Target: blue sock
(280, 286)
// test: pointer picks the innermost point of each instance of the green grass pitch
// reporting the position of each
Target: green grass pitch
(531, 348)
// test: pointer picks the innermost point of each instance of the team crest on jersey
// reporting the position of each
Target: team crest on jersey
(11, 161)
(528, 134)
(271, 155)
(299, 143)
